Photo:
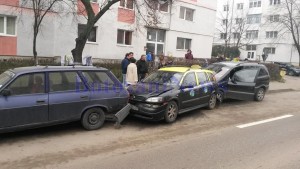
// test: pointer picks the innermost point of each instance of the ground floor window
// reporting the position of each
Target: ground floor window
(183, 43)
(7, 25)
(124, 37)
(93, 34)
(269, 50)
(155, 41)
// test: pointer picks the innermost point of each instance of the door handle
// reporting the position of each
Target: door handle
(40, 101)
(84, 97)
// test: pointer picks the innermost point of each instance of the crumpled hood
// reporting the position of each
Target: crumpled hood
(146, 90)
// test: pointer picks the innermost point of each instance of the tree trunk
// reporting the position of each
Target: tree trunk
(34, 48)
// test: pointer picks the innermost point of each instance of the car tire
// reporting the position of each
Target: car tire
(171, 112)
(291, 73)
(212, 101)
(93, 119)
(260, 94)
(220, 96)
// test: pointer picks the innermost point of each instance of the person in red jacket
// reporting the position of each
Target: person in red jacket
(189, 57)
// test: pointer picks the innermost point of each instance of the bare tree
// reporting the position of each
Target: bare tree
(40, 9)
(92, 19)
(290, 20)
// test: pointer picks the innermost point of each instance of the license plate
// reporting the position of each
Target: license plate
(133, 107)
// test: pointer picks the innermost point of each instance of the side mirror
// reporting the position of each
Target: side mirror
(6, 92)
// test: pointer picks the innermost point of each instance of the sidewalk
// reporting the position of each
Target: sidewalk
(291, 83)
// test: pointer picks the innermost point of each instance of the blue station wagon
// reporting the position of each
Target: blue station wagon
(39, 96)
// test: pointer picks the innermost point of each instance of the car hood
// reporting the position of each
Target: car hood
(146, 90)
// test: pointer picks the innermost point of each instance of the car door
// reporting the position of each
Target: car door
(27, 102)
(187, 95)
(205, 87)
(68, 95)
(241, 84)
(263, 78)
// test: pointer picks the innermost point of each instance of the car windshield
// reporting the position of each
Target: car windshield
(5, 77)
(222, 72)
(164, 78)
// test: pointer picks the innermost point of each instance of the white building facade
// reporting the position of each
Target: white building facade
(262, 32)
(186, 24)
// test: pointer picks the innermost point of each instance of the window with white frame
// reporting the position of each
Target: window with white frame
(240, 6)
(271, 34)
(236, 35)
(274, 2)
(126, 4)
(250, 47)
(224, 21)
(274, 18)
(124, 37)
(238, 20)
(226, 7)
(93, 34)
(7, 25)
(253, 19)
(157, 5)
(252, 34)
(269, 51)
(223, 35)
(186, 13)
(183, 43)
(254, 3)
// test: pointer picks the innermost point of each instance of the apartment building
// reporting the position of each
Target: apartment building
(254, 26)
(181, 25)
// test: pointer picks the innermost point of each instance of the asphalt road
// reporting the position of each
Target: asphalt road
(199, 139)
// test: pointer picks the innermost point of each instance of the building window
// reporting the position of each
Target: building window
(124, 37)
(271, 34)
(250, 47)
(225, 21)
(155, 41)
(93, 34)
(253, 34)
(226, 7)
(274, 2)
(186, 13)
(126, 4)
(254, 3)
(7, 25)
(269, 50)
(223, 35)
(240, 6)
(183, 43)
(156, 5)
(238, 20)
(253, 19)
(236, 35)
(274, 18)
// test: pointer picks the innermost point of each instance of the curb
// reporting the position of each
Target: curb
(280, 91)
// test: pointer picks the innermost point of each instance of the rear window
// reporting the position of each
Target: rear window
(98, 79)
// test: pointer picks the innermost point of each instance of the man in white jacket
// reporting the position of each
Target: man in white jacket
(132, 75)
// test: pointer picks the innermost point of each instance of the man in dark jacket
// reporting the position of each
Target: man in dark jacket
(125, 62)
(142, 67)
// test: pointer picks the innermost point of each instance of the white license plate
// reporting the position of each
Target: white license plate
(134, 108)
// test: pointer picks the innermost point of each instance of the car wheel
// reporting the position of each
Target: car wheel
(212, 101)
(220, 96)
(93, 119)
(260, 94)
(291, 73)
(171, 112)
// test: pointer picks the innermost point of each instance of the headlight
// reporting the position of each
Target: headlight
(154, 99)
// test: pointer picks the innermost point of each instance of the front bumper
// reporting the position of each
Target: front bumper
(152, 112)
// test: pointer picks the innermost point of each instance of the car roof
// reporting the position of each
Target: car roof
(183, 69)
(233, 64)
(32, 69)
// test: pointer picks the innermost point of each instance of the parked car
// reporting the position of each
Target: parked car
(289, 68)
(241, 80)
(40, 96)
(171, 91)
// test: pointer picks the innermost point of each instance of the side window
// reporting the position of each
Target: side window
(202, 77)
(98, 79)
(189, 80)
(65, 81)
(211, 77)
(263, 72)
(28, 84)
(245, 75)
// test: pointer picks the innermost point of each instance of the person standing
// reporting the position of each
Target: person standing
(142, 67)
(124, 64)
(189, 57)
(149, 57)
(132, 74)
